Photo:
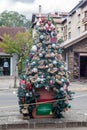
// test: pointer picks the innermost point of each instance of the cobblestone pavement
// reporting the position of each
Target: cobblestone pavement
(79, 128)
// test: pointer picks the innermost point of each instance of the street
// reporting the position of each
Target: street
(8, 98)
(9, 110)
(9, 102)
(79, 101)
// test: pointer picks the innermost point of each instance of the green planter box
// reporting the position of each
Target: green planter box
(44, 109)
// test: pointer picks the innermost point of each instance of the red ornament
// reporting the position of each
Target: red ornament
(40, 22)
(22, 82)
(22, 99)
(28, 85)
(49, 23)
(42, 19)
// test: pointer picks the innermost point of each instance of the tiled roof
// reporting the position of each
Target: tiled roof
(4, 54)
(11, 31)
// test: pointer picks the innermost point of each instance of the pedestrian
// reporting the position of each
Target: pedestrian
(6, 67)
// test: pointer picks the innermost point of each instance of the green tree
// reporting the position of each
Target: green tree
(14, 19)
(20, 45)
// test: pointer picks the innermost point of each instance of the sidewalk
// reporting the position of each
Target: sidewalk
(78, 86)
(7, 83)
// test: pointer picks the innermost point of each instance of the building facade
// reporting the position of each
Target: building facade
(75, 41)
(76, 22)
(8, 62)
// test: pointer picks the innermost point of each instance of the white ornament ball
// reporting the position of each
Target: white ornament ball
(62, 80)
(52, 54)
(37, 85)
(55, 62)
(27, 94)
(62, 66)
(40, 55)
(34, 48)
(41, 36)
(33, 63)
(34, 70)
(53, 45)
(38, 79)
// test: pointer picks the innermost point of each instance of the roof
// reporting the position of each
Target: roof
(11, 31)
(74, 40)
(79, 5)
(55, 15)
(4, 54)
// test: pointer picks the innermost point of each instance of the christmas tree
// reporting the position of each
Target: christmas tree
(43, 90)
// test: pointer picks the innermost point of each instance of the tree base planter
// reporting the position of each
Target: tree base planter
(43, 104)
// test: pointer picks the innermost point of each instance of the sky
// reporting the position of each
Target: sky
(27, 7)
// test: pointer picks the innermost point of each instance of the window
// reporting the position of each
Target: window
(69, 25)
(86, 13)
(65, 37)
(65, 28)
(69, 35)
(69, 22)
(78, 30)
(78, 18)
(85, 27)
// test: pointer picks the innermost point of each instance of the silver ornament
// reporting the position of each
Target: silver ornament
(55, 62)
(34, 48)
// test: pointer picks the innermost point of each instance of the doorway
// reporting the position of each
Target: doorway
(2, 68)
(83, 67)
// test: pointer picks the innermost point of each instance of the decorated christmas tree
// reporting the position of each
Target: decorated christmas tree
(43, 90)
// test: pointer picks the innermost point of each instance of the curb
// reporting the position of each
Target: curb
(70, 89)
(8, 89)
(78, 89)
(40, 123)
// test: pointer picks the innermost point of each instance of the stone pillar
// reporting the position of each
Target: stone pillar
(71, 64)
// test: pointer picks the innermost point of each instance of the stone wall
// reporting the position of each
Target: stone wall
(8, 82)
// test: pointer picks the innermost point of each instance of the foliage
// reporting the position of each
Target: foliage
(60, 41)
(20, 45)
(14, 19)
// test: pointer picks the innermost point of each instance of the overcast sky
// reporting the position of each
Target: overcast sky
(27, 7)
